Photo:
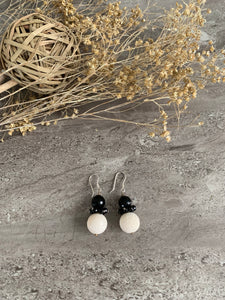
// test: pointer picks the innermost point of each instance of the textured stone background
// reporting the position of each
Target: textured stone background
(46, 251)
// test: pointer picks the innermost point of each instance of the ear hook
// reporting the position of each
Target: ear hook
(97, 184)
(123, 182)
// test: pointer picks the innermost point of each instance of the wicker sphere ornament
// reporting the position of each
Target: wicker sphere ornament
(39, 53)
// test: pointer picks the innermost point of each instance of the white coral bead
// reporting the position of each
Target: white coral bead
(97, 223)
(129, 222)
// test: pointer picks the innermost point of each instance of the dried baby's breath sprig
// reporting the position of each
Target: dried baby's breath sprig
(126, 59)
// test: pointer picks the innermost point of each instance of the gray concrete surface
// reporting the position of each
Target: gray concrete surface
(46, 251)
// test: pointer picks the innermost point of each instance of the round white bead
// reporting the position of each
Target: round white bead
(97, 223)
(129, 222)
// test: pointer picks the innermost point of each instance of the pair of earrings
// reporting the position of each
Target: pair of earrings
(97, 222)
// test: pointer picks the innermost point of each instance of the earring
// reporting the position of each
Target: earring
(129, 221)
(97, 222)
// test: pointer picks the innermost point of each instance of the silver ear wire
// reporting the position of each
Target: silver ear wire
(97, 184)
(123, 182)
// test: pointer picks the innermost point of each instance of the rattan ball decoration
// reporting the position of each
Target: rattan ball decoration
(39, 53)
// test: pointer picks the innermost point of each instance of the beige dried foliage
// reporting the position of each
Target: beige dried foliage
(127, 57)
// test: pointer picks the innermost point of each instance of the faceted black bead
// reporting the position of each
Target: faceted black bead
(104, 211)
(125, 201)
(94, 210)
(132, 208)
(122, 210)
(98, 201)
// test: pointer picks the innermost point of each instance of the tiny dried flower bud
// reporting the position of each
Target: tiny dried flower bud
(152, 134)
(38, 10)
(165, 133)
(168, 139)
(10, 132)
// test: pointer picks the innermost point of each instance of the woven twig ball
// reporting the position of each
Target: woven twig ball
(39, 53)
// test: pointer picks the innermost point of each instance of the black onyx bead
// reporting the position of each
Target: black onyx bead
(122, 210)
(94, 210)
(125, 201)
(132, 208)
(98, 201)
(104, 211)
